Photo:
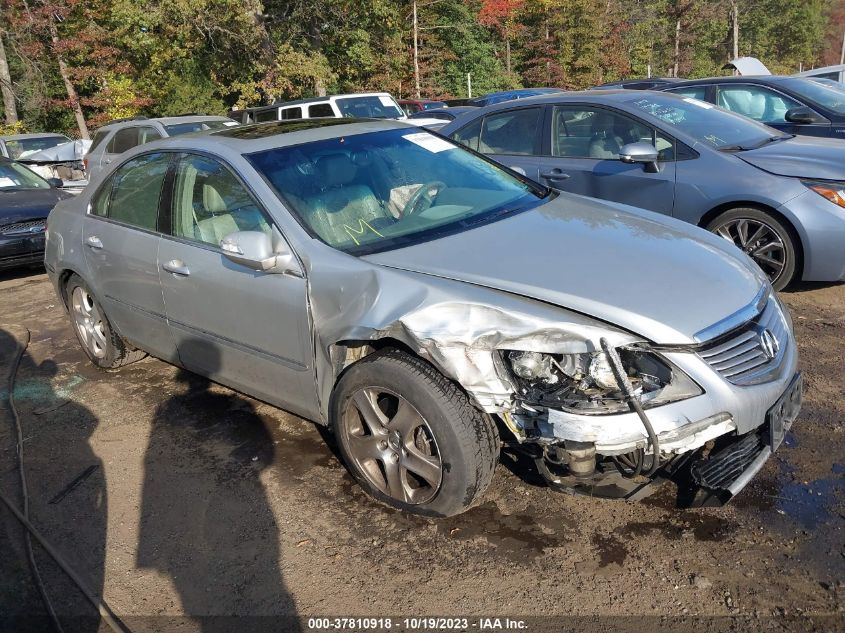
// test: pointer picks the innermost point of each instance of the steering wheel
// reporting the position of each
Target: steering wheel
(428, 192)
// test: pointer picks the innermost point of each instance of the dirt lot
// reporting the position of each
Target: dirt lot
(205, 502)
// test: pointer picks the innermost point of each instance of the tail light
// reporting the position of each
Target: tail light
(85, 165)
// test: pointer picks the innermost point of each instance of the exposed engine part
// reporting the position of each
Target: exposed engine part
(581, 458)
(634, 403)
(533, 366)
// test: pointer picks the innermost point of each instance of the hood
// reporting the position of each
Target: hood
(660, 278)
(800, 157)
(28, 204)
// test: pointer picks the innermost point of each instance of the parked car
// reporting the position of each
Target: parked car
(652, 83)
(795, 105)
(412, 106)
(835, 73)
(417, 298)
(777, 197)
(25, 201)
(444, 114)
(509, 95)
(13, 145)
(119, 136)
(369, 105)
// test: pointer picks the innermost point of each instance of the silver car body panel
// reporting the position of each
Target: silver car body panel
(555, 279)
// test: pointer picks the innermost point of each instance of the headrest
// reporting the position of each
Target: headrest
(335, 169)
(212, 200)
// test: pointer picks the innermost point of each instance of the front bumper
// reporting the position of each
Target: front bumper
(21, 250)
(821, 227)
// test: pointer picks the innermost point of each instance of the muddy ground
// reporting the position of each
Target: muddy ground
(202, 501)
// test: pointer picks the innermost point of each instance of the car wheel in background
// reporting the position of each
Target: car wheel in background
(101, 343)
(763, 238)
(411, 437)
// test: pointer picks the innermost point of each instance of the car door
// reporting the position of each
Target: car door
(766, 105)
(120, 242)
(241, 327)
(581, 155)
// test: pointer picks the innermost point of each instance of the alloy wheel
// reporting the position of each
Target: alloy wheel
(89, 322)
(392, 445)
(759, 241)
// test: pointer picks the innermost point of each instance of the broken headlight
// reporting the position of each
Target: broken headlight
(585, 383)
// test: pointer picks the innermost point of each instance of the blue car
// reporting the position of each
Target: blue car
(778, 197)
(509, 95)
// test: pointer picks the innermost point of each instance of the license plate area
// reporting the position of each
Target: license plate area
(783, 413)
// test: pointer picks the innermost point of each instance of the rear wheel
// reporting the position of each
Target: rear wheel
(101, 343)
(764, 239)
(410, 436)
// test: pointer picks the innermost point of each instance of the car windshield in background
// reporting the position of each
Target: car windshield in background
(19, 147)
(175, 129)
(14, 177)
(372, 107)
(367, 193)
(704, 121)
(827, 95)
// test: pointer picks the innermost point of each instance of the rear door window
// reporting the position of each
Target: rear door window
(320, 110)
(135, 192)
(468, 135)
(263, 116)
(123, 140)
(513, 132)
(291, 113)
(693, 92)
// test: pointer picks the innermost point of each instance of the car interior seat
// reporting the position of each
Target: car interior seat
(605, 143)
(345, 208)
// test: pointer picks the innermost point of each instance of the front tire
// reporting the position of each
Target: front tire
(764, 238)
(103, 346)
(411, 437)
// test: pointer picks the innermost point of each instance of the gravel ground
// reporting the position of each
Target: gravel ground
(200, 501)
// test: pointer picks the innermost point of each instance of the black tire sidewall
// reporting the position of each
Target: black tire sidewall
(790, 270)
(458, 485)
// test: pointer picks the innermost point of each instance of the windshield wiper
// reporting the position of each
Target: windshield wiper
(745, 148)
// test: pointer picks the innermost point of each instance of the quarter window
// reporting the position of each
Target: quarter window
(756, 102)
(135, 191)
(209, 203)
(511, 132)
(693, 92)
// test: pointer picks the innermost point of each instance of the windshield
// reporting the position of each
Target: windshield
(705, 122)
(14, 176)
(827, 95)
(175, 129)
(373, 192)
(21, 146)
(372, 107)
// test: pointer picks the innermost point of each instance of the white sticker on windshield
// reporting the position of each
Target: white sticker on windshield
(229, 123)
(386, 101)
(429, 142)
(700, 104)
(7, 182)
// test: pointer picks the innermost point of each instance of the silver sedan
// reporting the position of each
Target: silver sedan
(428, 305)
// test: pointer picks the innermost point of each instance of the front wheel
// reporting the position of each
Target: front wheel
(410, 436)
(764, 239)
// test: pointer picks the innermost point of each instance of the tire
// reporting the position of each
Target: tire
(450, 434)
(103, 346)
(783, 248)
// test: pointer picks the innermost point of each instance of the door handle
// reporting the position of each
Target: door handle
(554, 174)
(177, 267)
(94, 242)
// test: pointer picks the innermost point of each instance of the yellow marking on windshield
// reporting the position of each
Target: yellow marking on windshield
(363, 225)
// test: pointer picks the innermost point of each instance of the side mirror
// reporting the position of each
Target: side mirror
(256, 250)
(644, 153)
(58, 183)
(803, 115)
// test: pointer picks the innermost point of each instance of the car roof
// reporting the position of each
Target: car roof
(282, 104)
(164, 120)
(763, 79)
(246, 139)
(821, 70)
(16, 137)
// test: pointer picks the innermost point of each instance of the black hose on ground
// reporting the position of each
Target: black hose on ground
(633, 402)
(23, 517)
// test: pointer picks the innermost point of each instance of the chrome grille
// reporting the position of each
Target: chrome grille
(23, 228)
(751, 353)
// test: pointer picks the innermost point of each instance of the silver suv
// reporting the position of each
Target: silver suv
(424, 303)
(122, 135)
